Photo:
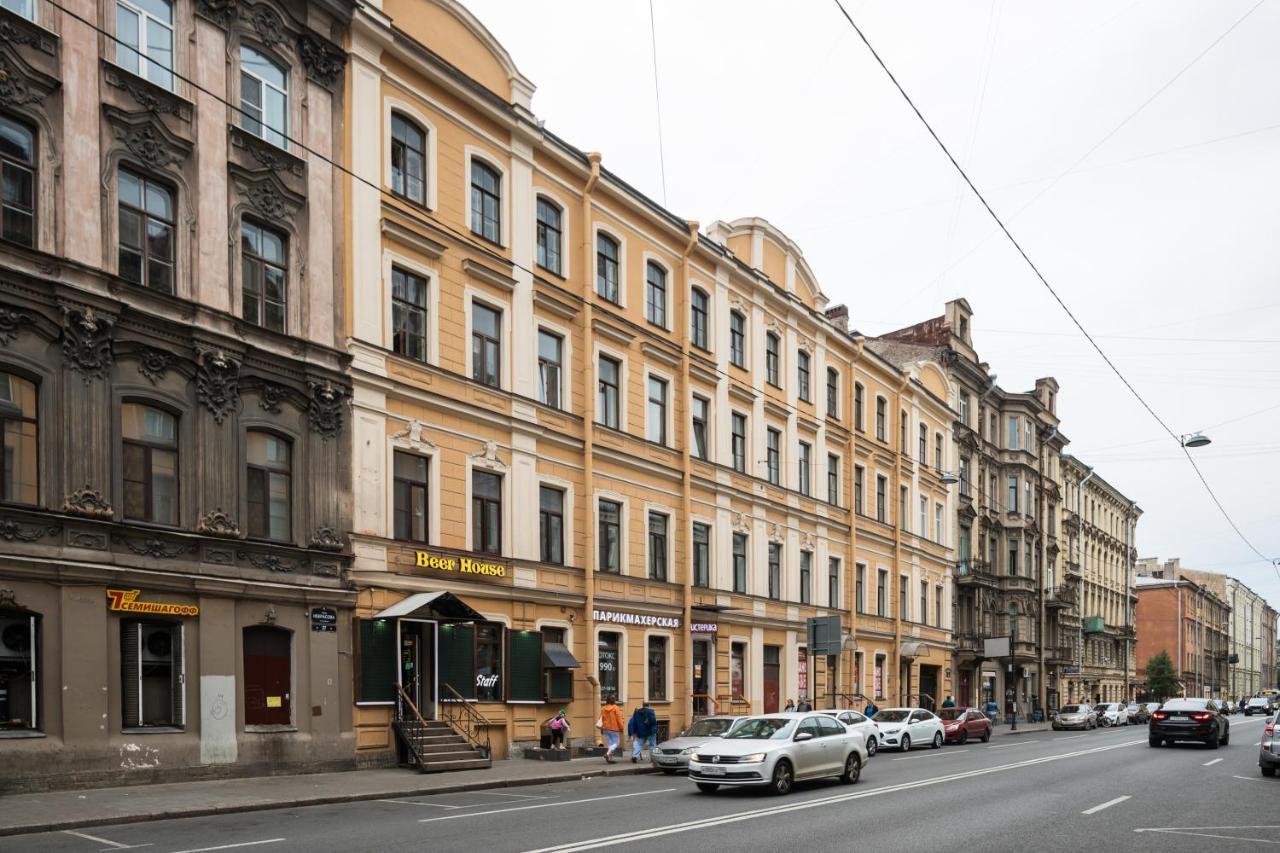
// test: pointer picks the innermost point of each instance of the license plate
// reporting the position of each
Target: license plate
(712, 771)
(666, 761)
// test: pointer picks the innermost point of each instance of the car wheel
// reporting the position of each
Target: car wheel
(1213, 741)
(871, 746)
(1155, 741)
(708, 787)
(783, 777)
(964, 736)
(905, 746)
(937, 740)
(1268, 770)
(986, 735)
(852, 769)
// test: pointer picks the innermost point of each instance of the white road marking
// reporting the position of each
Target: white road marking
(505, 794)
(1211, 763)
(690, 826)
(545, 805)
(1247, 778)
(1108, 804)
(416, 803)
(931, 755)
(1191, 831)
(231, 846)
(115, 845)
(1019, 743)
(1069, 737)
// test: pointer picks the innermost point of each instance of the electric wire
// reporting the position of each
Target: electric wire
(657, 100)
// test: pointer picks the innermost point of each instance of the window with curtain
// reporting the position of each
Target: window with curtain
(264, 276)
(19, 464)
(610, 536)
(409, 314)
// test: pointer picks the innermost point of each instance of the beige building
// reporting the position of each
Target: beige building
(597, 449)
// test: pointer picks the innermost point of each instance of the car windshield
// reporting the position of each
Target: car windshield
(1258, 701)
(1072, 709)
(708, 728)
(1133, 706)
(1185, 705)
(762, 728)
(951, 714)
(891, 716)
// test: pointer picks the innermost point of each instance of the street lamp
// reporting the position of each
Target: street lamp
(1195, 439)
(948, 479)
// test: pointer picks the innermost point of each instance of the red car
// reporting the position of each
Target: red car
(960, 724)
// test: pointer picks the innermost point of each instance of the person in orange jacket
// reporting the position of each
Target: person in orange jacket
(611, 726)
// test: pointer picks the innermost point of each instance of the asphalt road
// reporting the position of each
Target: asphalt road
(1067, 791)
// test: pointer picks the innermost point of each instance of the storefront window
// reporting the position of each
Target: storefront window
(737, 669)
(152, 672)
(658, 669)
(489, 663)
(19, 670)
(879, 677)
(268, 675)
(609, 652)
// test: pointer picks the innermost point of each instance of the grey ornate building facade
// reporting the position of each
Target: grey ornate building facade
(175, 483)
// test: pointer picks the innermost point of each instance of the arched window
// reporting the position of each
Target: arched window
(607, 267)
(270, 482)
(268, 676)
(264, 274)
(19, 464)
(18, 162)
(408, 159)
(486, 202)
(150, 438)
(144, 39)
(698, 318)
(655, 301)
(19, 670)
(264, 97)
(550, 233)
(146, 232)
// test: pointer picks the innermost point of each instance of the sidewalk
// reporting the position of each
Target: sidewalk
(1023, 729)
(55, 810)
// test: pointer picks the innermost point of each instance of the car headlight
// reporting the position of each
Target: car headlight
(753, 758)
(688, 751)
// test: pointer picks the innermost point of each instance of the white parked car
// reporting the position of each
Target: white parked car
(858, 722)
(1112, 714)
(903, 728)
(777, 750)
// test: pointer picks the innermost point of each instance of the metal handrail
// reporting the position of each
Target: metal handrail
(851, 699)
(706, 697)
(465, 719)
(734, 699)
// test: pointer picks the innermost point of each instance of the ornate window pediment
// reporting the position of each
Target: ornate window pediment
(22, 83)
(267, 196)
(147, 139)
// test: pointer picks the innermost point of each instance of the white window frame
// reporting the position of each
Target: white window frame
(670, 513)
(140, 50)
(624, 537)
(431, 453)
(391, 258)
(667, 309)
(620, 356)
(668, 428)
(566, 521)
(288, 99)
(508, 530)
(710, 425)
(392, 104)
(670, 665)
(471, 153)
(566, 358)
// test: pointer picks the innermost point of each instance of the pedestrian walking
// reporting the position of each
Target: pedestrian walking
(871, 710)
(804, 705)
(610, 725)
(559, 726)
(948, 702)
(991, 709)
(790, 706)
(643, 728)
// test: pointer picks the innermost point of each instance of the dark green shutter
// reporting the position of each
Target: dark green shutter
(131, 714)
(458, 661)
(524, 667)
(377, 676)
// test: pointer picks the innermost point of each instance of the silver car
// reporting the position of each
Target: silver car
(1075, 717)
(857, 722)
(777, 750)
(672, 756)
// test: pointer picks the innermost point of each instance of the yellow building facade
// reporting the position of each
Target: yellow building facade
(598, 449)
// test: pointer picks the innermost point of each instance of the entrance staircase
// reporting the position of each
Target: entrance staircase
(438, 746)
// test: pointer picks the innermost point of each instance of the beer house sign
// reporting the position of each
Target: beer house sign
(460, 565)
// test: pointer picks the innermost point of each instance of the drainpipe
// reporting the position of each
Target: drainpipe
(588, 438)
(851, 561)
(686, 488)
(895, 580)
(1044, 560)
(1080, 562)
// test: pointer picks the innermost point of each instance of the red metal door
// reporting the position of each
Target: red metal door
(267, 677)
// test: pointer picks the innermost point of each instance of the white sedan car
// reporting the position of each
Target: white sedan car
(777, 750)
(1112, 714)
(858, 722)
(903, 728)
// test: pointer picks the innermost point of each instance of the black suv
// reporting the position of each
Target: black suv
(1204, 720)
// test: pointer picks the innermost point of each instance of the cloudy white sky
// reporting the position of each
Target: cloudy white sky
(1163, 240)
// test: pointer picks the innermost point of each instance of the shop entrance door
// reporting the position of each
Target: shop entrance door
(418, 665)
(929, 697)
(772, 678)
(703, 677)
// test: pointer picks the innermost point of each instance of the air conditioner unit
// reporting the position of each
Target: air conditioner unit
(15, 637)
(157, 644)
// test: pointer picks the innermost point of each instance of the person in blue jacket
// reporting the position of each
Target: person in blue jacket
(643, 728)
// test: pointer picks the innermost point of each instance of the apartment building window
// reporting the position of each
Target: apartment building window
(903, 515)
(902, 432)
(698, 318)
(408, 160)
(610, 372)
(804, 464)
(607, 267)
(738, 441)
(964, 549)
(655, 300)
(264, 274)
(144, 39)
(882, 418)
(657, 661)
(833, 479)
(486, 512)
(264, 97)
(937, 451)
(410, 492)
(965, 486)
(1013, 494)
(924, 602)
(1013, 558)
(701, 409)
(882, 593)
(1027, 435)
(150, 439)
(1051, 523)
(486, 345)
(923, 455)
(924, 516)
(937, 523)
(937, 606)
(775, 570)
(658, 546)
(859, 476)
(859, 402)
(802, 375)
(833, 582)
(859, 588)
(19, 463)
(773, 463)
(550, 233)
(1028, 565)
(25, 8)
(656, 427)
(701, 555)
(146, 245)
(1013, 433)
(551, 524)
(17, 178)
(486, 201)
(881, 488)
(1027, 506)
(964, 409)
(740, 562)
(550, 352)
(610, 535)
(269, 477)
(772, 363)
(806, 577)
(904, 601)
(737, 339)
(833, 393)
(408, 314)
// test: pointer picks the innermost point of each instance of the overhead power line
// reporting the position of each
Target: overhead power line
(1036, 270)
(657, 100)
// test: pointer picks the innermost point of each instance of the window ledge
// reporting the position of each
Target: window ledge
(20, 734)
(153, 730)
(269, 729)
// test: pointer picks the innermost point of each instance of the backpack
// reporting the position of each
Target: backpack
(556, 724)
